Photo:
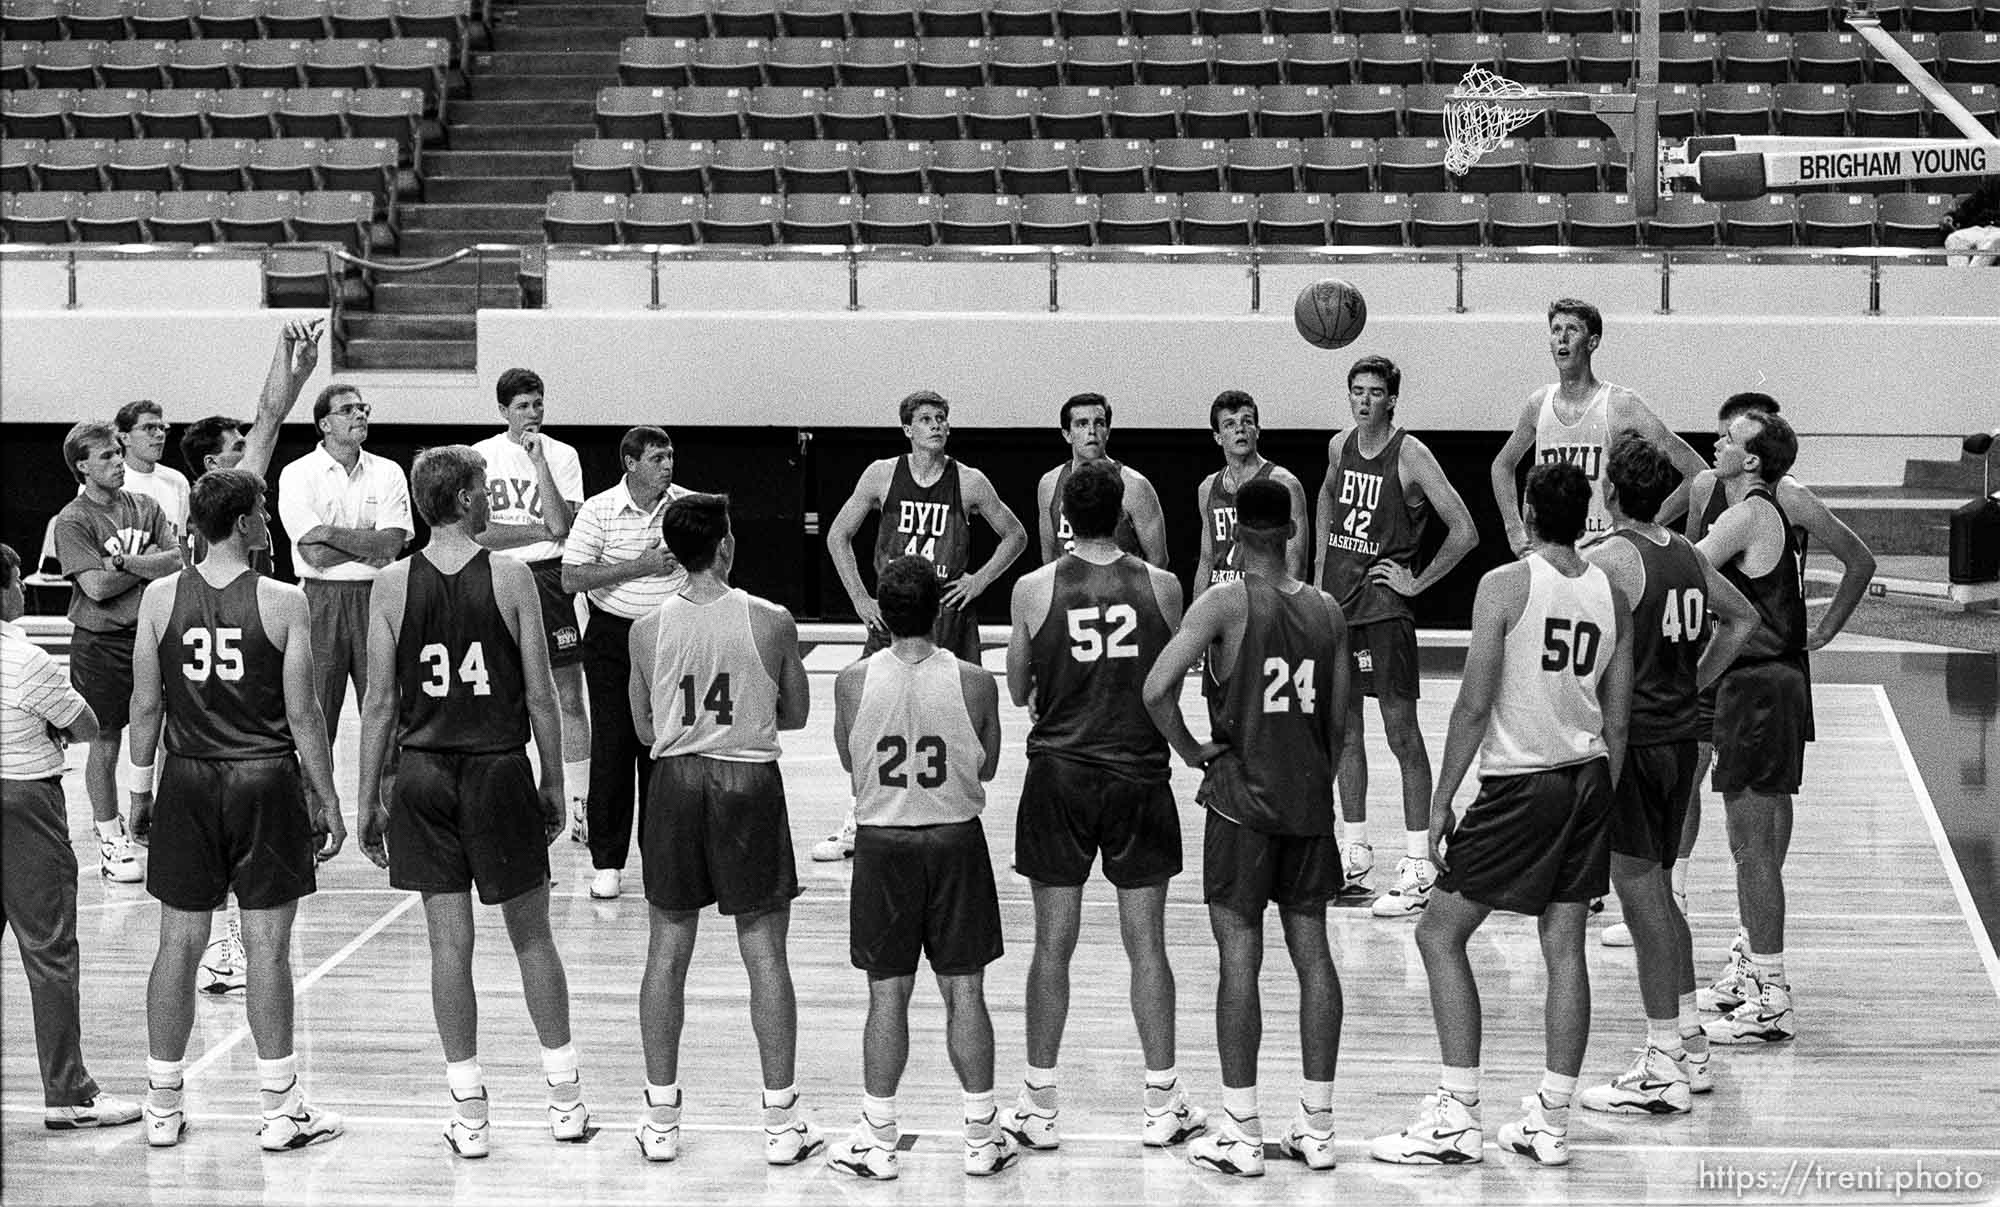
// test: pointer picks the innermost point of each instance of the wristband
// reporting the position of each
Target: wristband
(134, 778)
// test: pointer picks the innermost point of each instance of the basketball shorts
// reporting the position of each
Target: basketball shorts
(463, 819)
(1529, 841)
(717, 833)
(1762, 721)
(1384, 654)
(1072, 810)
(1651, 801)
(100, 668)
(923, 890)
(1244, 869)
(220, 824)
(954, 629)
(565, 637)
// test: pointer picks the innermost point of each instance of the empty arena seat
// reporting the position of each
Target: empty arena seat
(1736, 108)
(1606, 57)
(1113, 165)
(713, 113)
(820, 218)
(1392, 58)
(1320, 59)
(361, 165)
(1059, 218)
(18, 158)
(966, 166)
(1812, 109)
(314, 112)
(244, 112)
(1680, 112)
(1219, 111)
(1218, 219)
(783, 112)
(450, 20)
(744, 18)
(898, 218)
(1145, 111)
(188, 216)
(1039, 165)
(1565, 165)
(420, 63)
(297, 18)
(1912, 219)
(106, 113)
(883, 62)
(1923, 47)
(1435, 17)
(1513, 16)
(176, 113)
(135, 64)
(1090, 18)
(1103, 61)
(1410, 165)
(1025, 60)
(1337, 165)
(1724, 16)
(1372, 16)
(1689, 56)
(1371, 219)
(1538, 58)
(1684, 221)
(1298, 219)
(1886, 110)
(17, 60)
(1980, 100)
(392, 113)
(258, 216)
(75, 165)
(1970, 56)
(1366, 110)
(1138, 218)
(959, 61)
(1757, 56)
(813, 62)
(229, 18)
(1837, 219)
(855, 113)
(1263, 165)
(272, 63)
(1524, 219)
(1299, 16)
(145, 163)
(1149, 18)
(286, 164)
(204, 63)
(1249, 58)
(1798, 16)
(43, 217)
(1022, 18)
(818, 167)
(1454, 54)
(1189, 165)
(1584, 16)
(1004, 112)
(217, 164)
(1504, 169)
(1218, 18)
(1067, 112)
(1937, 16)
(663, 218)
(340, 63)
(728, 62)
(1181, 59)
(330, 216)
(1423, 109)
(605, 165)
(745, 166)
(39, 113)
(1768, 221)
(1447, 219)
(883, 18)
(1601, 220)
(69, 64)
(891, 166)
(937, 112)
(677, 18)
(675, 165)
(666, 62)
(33, 20)
(583, 217)
(1293, 110)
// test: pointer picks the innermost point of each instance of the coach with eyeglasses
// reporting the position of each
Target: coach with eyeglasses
(347, 512)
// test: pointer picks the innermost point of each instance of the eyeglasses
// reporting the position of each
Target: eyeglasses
(353, 408)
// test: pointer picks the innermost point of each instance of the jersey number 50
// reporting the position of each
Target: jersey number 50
(1562, 651)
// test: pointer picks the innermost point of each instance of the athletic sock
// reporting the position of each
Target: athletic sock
(1417, 844)
(1160, 1086)
(468, 1088)
(108, 830)
(1557, 1090)
(1770, 968)
(1460, 1083)
(1241, 1103)
(277, 1080)
(559, 1067)
(1317, 1097)
(163, 1078)
(1352, 832)
(979, 1111)
(1664, 1034)
(1041, 1087)
(880, 1115)
(662, 1098)
(780, 1104)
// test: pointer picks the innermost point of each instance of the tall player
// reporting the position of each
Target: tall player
(536, 484)
(1232, 420)
(458, 678)
(224, 655)
(1368, 563)
(1575, 419)
(715, 676)
(1547, 689)
(926, 499)
(918, 731)
(1142, 527)
(1087, 628)
(1275, 650)
(1675, 592)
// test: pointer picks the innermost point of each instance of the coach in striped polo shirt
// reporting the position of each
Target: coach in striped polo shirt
(615, 557)
(37, 864)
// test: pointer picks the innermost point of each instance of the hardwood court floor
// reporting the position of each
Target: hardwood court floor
(1893, 1072)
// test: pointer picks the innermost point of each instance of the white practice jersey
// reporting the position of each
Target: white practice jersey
(1546, 712)
(1582, 444)
(915, 752)
(712, 695)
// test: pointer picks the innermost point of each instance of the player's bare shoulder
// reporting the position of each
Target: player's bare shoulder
(280, 601)
(512, 580)
(771, 621)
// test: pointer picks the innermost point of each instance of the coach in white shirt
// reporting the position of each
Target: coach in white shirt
(142, 429)
(348, 514)
(616, 555)
(534, 484)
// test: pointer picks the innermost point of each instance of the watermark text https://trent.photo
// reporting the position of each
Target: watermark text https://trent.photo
(1816, 1176)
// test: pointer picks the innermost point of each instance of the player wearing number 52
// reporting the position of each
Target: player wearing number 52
(458, 677)
(715, 675)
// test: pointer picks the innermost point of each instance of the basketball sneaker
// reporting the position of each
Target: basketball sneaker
(105, 1110)
(607, 884)
(1445, 1133)
(1734, 986)
(1764, 1017)
(569, 1121)
(222, 963)
(1532, 1135)
(1701, 1072)
(1309, 1139)
(838, 845)
(1656, 1084)
(1228, 1149)
(296, 1125)
(118, 858)
(790, 1139)
(1357, 859)
(1033, 1126)
(865, 1155)
(659, 1131)
(1616, 935)
(1171, 1121)
(1414, 878)
(166, 1118)
(988, 1149)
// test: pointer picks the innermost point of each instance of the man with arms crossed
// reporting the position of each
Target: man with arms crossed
(224, 659)
(458, 678)
(1381, 486)
(1544, 701)
(715, 676)
(1142, 528)
(1275, 653)
(1232, 419)
(918, 731)
(1087, 628)
(926, 500)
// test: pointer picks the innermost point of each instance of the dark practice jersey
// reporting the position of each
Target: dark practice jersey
(1371, 521)
(1103, 633)
(1670, 625)
(1778, 595)
(927, 521)
(1219, 510)
(1277, 710)
(458, 668)
(223, 678)
(1126, 535)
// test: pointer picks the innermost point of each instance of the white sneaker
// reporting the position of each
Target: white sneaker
(838, 845)
(1734, 986)
(569, 1122)
(1764, 1017)
(579, 819)
(1656, 1084)
(1357, 859)
(222, 968)
(1034, 1127)
(166, 1118)
(296, 1125)
(469, 1138)
(659, 1132)
(1228, 1149)
(1616, 935)
(1533, 1136)
(989, 1149)
(119, 858)
(1445, 1133)
(790, 1140)
(1700, 1069)
(1414, 878)
(1309, 1141)
(865, 1155)
(105, 1110)
(1172, 1122)
(606, 884)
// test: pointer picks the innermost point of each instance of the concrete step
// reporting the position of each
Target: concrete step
(497, 163)
(449, 299)
(546, 62)
(376, 353)
(1962, 474)
(529, 111)
(478, 216)
(443, 242)
(427, 327)
(502, 87)
(1896, 525)
(552, 137)
(543, 16)
(515, 189)
(563, 36)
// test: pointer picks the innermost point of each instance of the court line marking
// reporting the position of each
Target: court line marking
(1981, 941)
(305, 983)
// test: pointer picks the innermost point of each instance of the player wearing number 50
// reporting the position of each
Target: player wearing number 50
(1544, 703)
(1087, 628)
(715, 675)
(224, 656)
(919, 732)
(458, 676)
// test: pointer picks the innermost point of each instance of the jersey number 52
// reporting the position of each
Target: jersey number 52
(1107, 632)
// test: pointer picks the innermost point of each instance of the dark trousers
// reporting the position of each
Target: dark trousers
(340, 643)
(619, 764)
(38, 899)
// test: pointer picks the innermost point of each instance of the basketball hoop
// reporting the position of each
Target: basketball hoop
(1486, 107)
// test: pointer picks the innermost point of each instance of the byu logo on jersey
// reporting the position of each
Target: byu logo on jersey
(1360, 490)
(1587, 457)
(1225, 522)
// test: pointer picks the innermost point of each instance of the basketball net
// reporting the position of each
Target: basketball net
(1478, 119)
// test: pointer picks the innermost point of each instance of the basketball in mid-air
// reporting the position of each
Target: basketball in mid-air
(1330, 313)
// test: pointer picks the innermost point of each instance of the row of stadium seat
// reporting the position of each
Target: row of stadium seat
(1229, 111)
(230, 63)
(396, 113)
(52, 20)
(1108, 61)
(227, 165)
(1311, 219)
(138, 216)
(1035, 18)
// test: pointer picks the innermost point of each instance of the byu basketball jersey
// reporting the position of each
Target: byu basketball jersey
(1371, 521)
(1276, 710)
(1778, 594)
(1669, 628)
(924, 521)
(458, 668)
(913, 747)
(224, 679)
(1582, 444)
(1126, 535)
(1219, 510)
(712, 695)
(1103, 632)
(1546, 712)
